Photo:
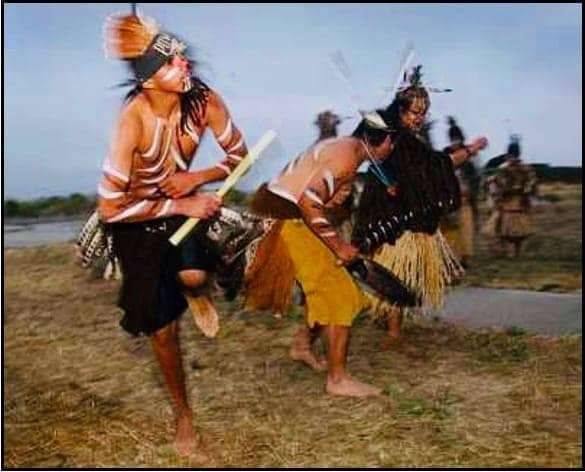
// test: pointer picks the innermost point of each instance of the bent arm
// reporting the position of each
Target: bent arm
(116, 202)
(463, 154)
(317, 194)
(227, 136)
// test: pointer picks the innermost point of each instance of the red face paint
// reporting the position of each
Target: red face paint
(180, 62)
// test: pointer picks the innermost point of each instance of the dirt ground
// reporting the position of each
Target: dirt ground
(78, 392)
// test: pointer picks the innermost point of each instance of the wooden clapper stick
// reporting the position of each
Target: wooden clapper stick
(253, 154)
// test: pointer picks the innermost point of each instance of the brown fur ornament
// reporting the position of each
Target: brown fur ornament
(127, 36)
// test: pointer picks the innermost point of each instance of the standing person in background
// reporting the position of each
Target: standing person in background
(459, 227)
(327, 122)
(512, 186)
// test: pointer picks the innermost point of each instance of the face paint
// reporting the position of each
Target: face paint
(171, 74)
(414, 116)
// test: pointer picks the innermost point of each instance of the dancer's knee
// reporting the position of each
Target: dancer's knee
(192, 278)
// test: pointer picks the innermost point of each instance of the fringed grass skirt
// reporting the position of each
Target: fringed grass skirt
(424, 263)
(516, 225)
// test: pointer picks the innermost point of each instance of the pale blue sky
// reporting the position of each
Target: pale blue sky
(512, 68)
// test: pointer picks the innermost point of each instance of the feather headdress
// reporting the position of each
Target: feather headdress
(127, 36)
(412, 79)
(139, 41)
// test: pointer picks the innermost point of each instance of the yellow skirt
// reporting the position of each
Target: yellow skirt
(332, 296)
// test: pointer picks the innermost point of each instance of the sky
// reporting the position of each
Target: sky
(512, 67)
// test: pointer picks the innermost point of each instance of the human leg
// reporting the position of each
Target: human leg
(301, 348)
(395, 318)
(165, 343)
(339, 382)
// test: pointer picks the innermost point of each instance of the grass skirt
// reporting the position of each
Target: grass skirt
(424, 263)
(516, 225)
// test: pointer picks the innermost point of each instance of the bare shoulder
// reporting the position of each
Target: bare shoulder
(340, 147)
(214, 99)
(215, 104)
(132, 112)
(130, 121)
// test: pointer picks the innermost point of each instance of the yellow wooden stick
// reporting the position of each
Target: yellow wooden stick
(253, 154)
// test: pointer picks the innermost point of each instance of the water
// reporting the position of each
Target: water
(38, 234)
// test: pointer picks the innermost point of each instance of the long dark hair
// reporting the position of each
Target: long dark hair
(192, 102)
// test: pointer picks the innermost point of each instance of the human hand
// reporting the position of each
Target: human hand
(478, 144)
(201, 205)
(346, 254)
(179, 184)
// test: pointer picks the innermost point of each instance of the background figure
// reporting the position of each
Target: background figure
(459, 227)
(510, 189)
(327, 122)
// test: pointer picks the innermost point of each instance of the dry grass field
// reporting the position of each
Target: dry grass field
(551, 258)
(78, 392)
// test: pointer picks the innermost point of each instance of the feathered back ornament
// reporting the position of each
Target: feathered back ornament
(127, 36)
(412, 79)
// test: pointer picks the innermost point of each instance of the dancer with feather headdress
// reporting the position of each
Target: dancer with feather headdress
(146, 192)
(404, 198)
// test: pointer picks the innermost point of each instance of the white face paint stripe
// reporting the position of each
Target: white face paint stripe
(226, 132)
(237, 146)
(133, 210)
(329, 234)
(108, 194)
(317, 221)
(170, 75)
(165, 209)
(313, 196)
(155, 141)
(330, 180)
(108, 169)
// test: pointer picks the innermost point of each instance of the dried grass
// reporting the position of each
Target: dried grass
(550, 259)
(79, 393)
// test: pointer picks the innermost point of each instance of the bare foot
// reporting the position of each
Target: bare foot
(301, 351)
(185, 437)
(306, 355)
(347, 386)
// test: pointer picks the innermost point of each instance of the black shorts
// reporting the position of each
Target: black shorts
(151, 296)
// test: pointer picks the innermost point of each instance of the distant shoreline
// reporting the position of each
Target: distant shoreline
(27, 221)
